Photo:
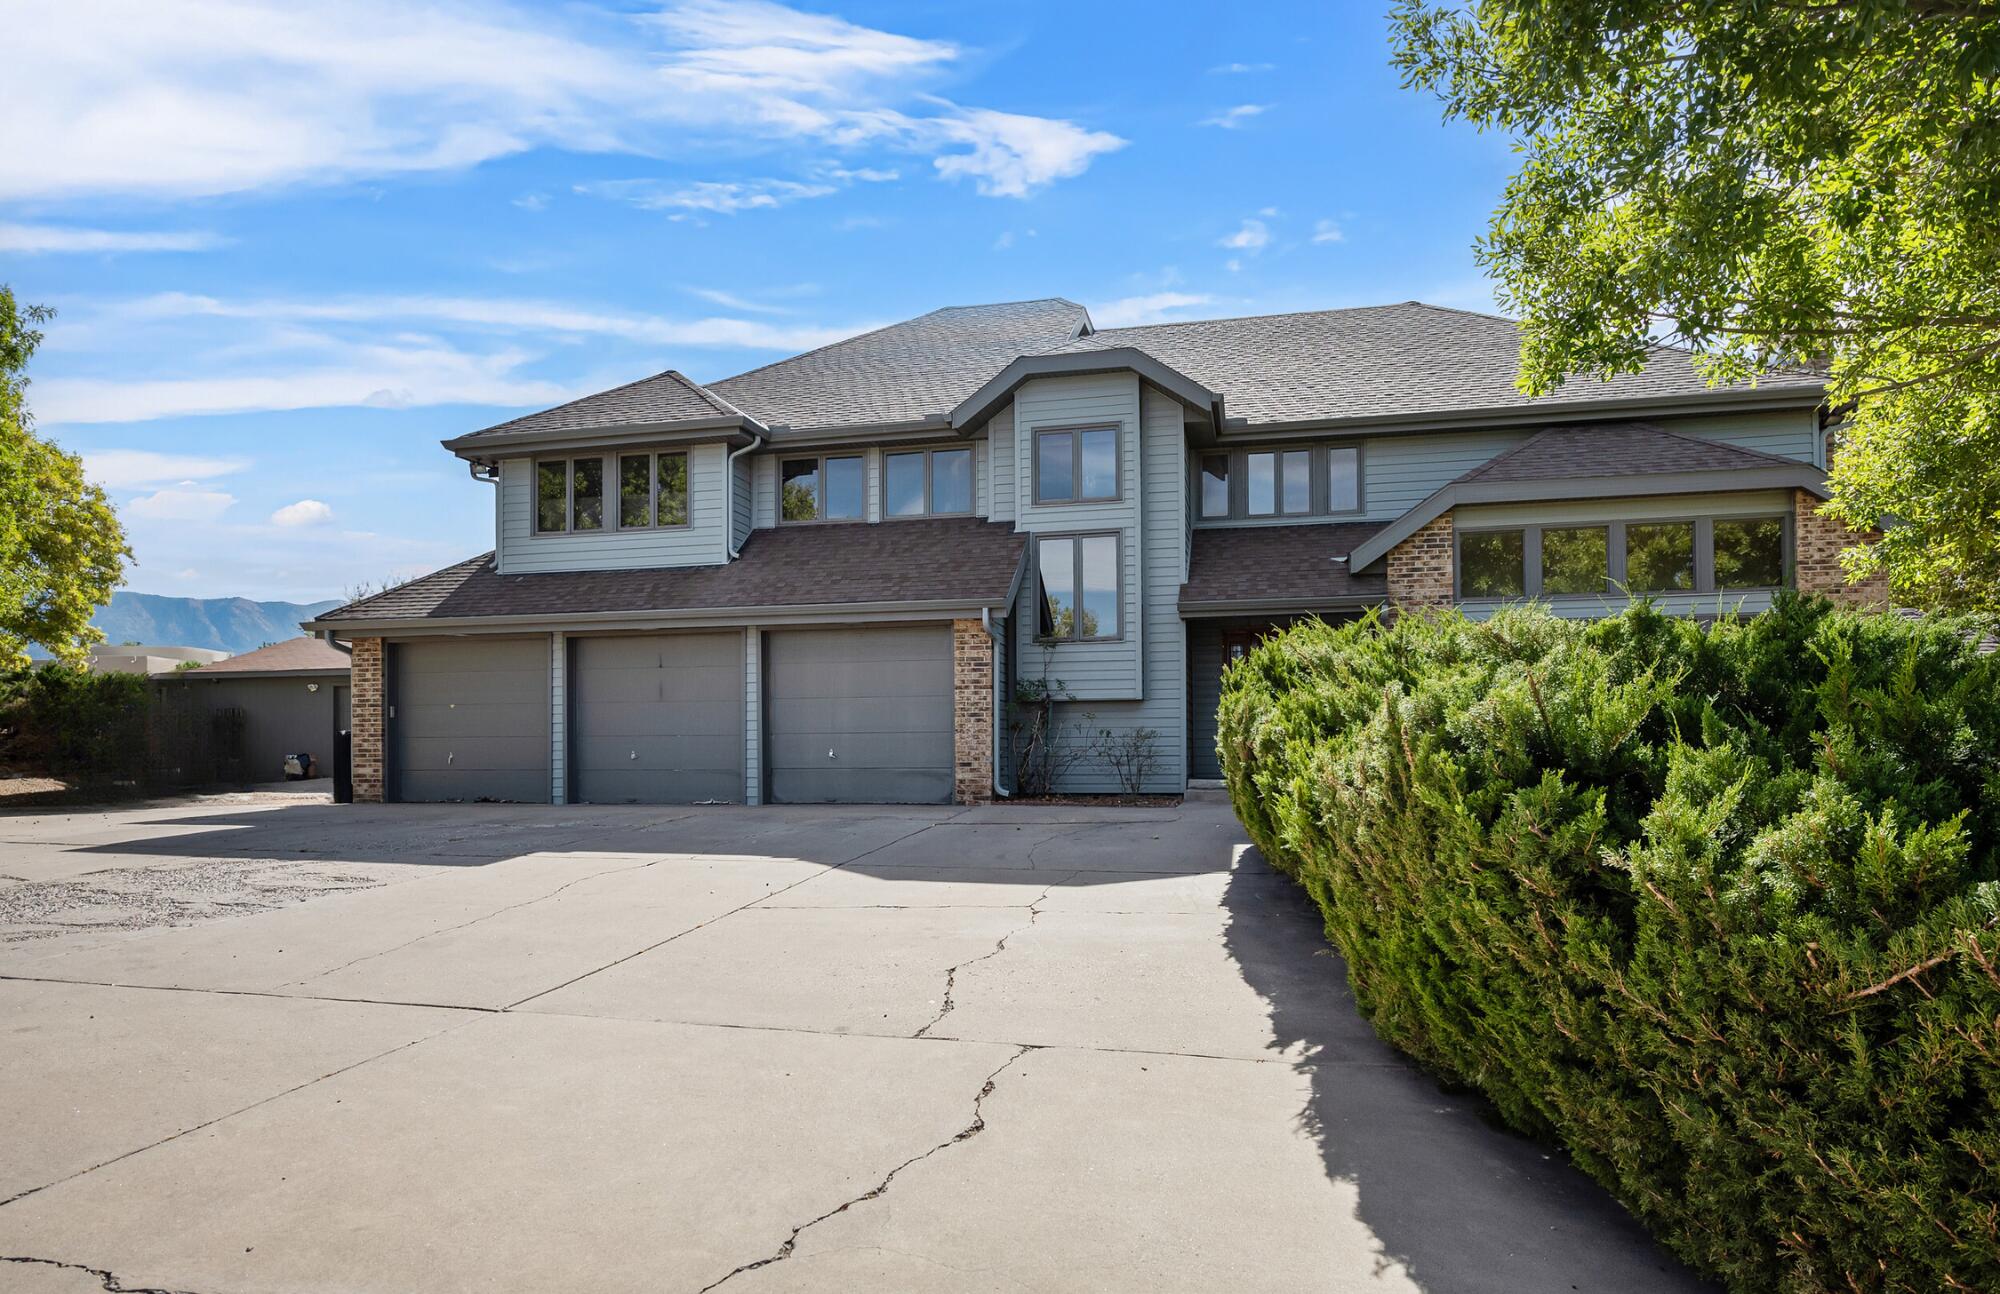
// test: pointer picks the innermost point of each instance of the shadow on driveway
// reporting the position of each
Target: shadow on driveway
(1463, 1203)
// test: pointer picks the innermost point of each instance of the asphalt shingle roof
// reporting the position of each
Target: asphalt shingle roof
(1279, 564)
(1625, 449)
(1382, 362)
(917, 369)
(962, 560)
(294, 655)
(664, 397)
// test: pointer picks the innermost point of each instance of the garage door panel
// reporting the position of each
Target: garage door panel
(471, 719)
(879, 700)
(658, 718)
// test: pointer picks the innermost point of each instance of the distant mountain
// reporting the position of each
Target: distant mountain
(225, 624)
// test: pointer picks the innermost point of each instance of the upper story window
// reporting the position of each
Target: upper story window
(927, 482)
(1693, 555)
(1078, 587)
(822, 489)
(1077, 465)
(569, 495)
(652, 491)
(1315, 481)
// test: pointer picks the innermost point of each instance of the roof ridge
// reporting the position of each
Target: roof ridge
(393, 588)
(593, 395)
(882, 328)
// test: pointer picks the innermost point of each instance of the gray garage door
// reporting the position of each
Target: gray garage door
(471, 719)
(860, 716)
(657, 720)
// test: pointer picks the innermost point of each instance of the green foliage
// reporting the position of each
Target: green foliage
(69, 723)
(1767, 183)
(61, 549)
(1715, 908)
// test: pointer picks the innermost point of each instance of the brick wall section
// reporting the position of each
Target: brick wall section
(972, 711)
(1420, 568)
(365, 702)
(1817, 542)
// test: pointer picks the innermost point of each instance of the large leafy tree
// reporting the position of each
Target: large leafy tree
(1766, 182)
(61, 548)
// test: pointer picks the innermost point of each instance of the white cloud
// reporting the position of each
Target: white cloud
(1239, 69)
(1236, 118)
(1252, 236)
(306, 512)
(532, 202)
(124, 469)
(1326, 231)
(718, 197)
(181, 98)
(730, 301)
(34, 239)
(180, 505)
(1232, 265)
(1156, 307)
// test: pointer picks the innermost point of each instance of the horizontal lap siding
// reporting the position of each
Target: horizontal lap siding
(699, 543)
(1000, 438)
(1097, 671)
(1205, 679)
(1791, 434)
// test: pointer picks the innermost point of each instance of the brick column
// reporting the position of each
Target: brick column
(365, 702)
(1817, 542)
(972, 711)
(1420, 568)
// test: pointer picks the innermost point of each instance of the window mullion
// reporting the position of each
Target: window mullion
(1531, 561)
(1704, 555)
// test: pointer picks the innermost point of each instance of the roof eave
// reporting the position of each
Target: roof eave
(984, 402)
(191, 675)
(1637, 486)
(480, 446)
(940, 609)
(1792, 397)
(1220, 608)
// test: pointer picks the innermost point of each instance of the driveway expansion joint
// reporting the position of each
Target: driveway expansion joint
(967, 1133)
(107, 1279)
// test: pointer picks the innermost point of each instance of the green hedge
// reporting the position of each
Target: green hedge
(67, 722)
(1715, 909)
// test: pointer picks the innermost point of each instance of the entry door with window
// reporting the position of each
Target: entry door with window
(1237, 643)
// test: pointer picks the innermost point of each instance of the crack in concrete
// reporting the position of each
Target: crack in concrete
(762, 898)
(107, 1279)
(967, 1133)
(1000, 946)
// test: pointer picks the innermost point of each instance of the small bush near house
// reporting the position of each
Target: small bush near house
(85, 728)
(1715, 908)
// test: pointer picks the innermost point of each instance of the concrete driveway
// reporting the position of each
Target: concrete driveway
(257, 1044)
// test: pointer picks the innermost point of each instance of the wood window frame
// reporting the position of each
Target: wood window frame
(819, 475)
(1319, 483)
(1076, 432)
(928, 453)
(1615, 556)
(1117, 537)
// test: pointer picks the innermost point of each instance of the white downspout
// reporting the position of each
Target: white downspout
(999, 655)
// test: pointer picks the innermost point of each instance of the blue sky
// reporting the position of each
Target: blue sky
(293, 246)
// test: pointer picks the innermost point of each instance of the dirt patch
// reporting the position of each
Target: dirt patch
(150, 898)
(1101, 801)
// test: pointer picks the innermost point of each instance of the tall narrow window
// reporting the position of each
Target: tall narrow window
(551, 497)
(1750, 554)
(1659, 557)
(671, 508)
(1343, 479)
(903, 485)
(1215, 485)
(951, 480)
(1078, 586)
(798, 489)
(1576, 560)
(846, 488)
(635, 490)
(1296, 465)
(1493, 564)
(1261, 480)
(587, 494)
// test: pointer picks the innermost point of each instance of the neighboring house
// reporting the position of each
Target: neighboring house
(137, 658)
(821, 579)
(293, 697)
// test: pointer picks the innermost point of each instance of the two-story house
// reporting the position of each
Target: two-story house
(823, 579)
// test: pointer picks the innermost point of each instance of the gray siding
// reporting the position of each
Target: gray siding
(742, 516)
(753, 716)
(699, 543)
(764, 489)
(559, 689)
(1204, 695)
(1094, 671)
(1002, 466)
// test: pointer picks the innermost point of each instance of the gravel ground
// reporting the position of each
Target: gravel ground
(153, 898)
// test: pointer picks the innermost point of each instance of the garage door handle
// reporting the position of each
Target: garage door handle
(830, 754)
